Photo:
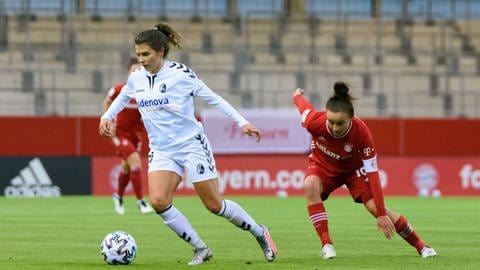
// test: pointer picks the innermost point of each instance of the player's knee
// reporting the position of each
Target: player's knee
(135, 168)
(311, 190)
(213, 207)
(159, 204)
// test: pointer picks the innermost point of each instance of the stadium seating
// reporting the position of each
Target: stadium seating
(395, 70)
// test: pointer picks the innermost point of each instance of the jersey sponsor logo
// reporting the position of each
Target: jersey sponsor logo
(153, 102)
(32, 181)
(367, 151)
(327, 152)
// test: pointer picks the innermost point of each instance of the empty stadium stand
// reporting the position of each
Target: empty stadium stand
(397, 68)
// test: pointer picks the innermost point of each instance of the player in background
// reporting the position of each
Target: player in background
(343, 153)
(165, 92)
(128, 142)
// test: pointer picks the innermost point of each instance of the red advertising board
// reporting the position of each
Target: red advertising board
(283, 174)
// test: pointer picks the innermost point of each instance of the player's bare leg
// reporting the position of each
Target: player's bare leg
(162, 185)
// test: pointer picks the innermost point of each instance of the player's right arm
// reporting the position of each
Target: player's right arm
(310, 118)
(107, 126)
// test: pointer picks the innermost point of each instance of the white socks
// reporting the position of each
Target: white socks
(239, 217)
(233, 212)
(178, 223)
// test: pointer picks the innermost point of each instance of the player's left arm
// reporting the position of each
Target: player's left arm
(370, 164)
(205, 93)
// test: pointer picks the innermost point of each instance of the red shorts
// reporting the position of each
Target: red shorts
(126, 145)
(356, 182)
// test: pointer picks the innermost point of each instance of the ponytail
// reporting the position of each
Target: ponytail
(341, 100)
(160, 37)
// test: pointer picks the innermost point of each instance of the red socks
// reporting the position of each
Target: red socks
(136, 177)
(406, 231)
(123, 179)
(319, 219)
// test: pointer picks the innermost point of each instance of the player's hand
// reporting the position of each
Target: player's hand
(106, 128)
(250, 130)
(298, 92)
(385, 224)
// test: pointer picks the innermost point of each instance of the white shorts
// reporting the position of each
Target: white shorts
(194, 158)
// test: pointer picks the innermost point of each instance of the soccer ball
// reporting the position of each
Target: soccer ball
(118, 248)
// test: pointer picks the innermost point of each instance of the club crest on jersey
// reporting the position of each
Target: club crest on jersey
(163, 88)
(200, 169)
(347, 147)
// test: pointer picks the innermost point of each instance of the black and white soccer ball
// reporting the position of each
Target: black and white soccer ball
(118, 248)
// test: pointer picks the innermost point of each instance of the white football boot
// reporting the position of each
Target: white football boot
(266, 243)
(328, 252)
(428, 252)
(144, 207)
(201, 255)
(118, 204)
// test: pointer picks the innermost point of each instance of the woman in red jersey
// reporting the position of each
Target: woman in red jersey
(343, 153)
(128, 141)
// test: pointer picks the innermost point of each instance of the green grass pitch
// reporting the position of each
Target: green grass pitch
(65, 233)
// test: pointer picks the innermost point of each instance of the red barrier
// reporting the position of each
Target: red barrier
(26, 136)
(78, 136)
(441, 137)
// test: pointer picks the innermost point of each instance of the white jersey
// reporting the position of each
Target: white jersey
(166, 102)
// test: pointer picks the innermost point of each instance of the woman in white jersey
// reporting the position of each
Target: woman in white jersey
(165, 91)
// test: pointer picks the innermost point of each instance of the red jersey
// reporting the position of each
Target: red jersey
(336, 155)
(128, 121)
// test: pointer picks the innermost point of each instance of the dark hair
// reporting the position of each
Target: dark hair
(159, 37)
(132, 61)
(341, 100)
